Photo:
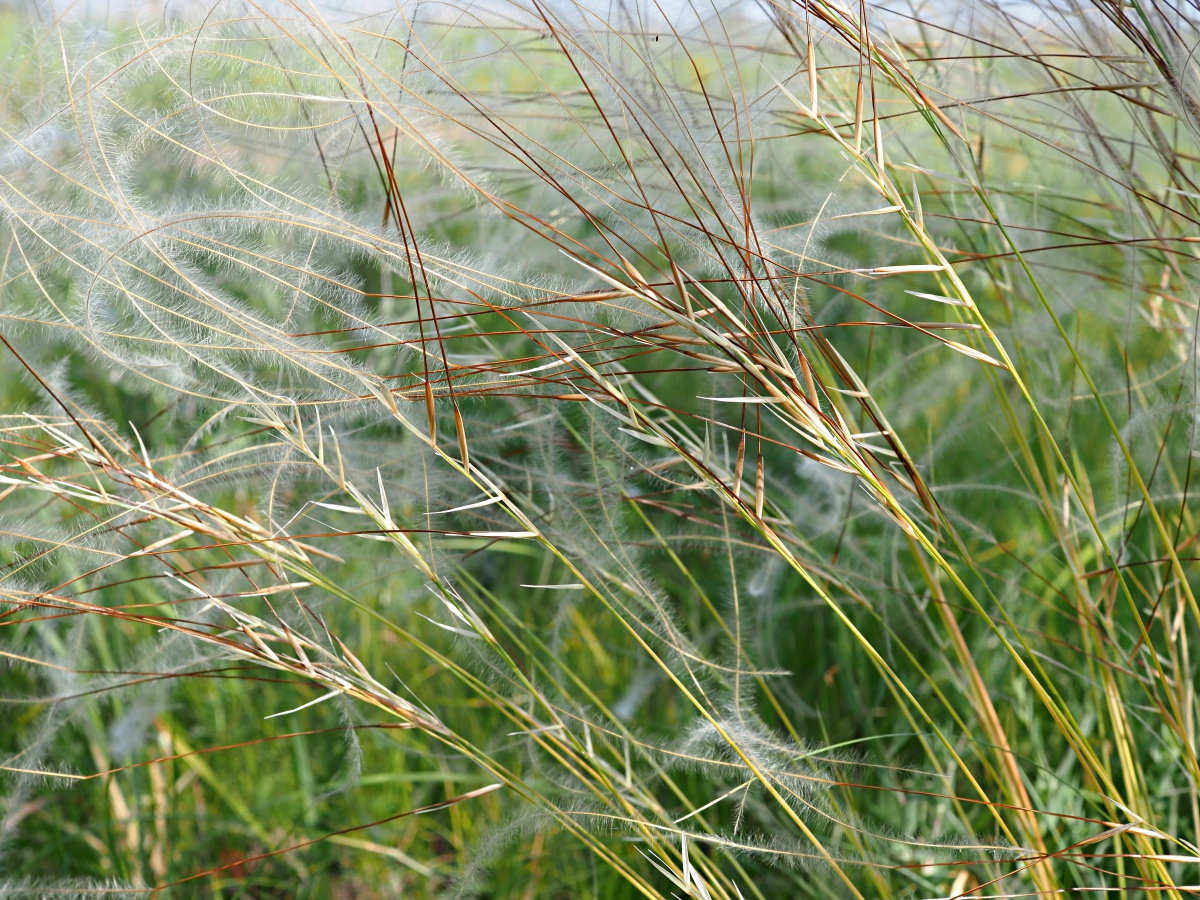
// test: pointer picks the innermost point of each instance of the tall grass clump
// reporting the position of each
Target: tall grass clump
(541, 448)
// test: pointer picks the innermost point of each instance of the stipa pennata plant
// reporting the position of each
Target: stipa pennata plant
(756, 443)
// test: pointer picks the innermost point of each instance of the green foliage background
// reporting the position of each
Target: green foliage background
(522, 452)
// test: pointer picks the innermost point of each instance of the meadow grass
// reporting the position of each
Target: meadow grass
(538, 450)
